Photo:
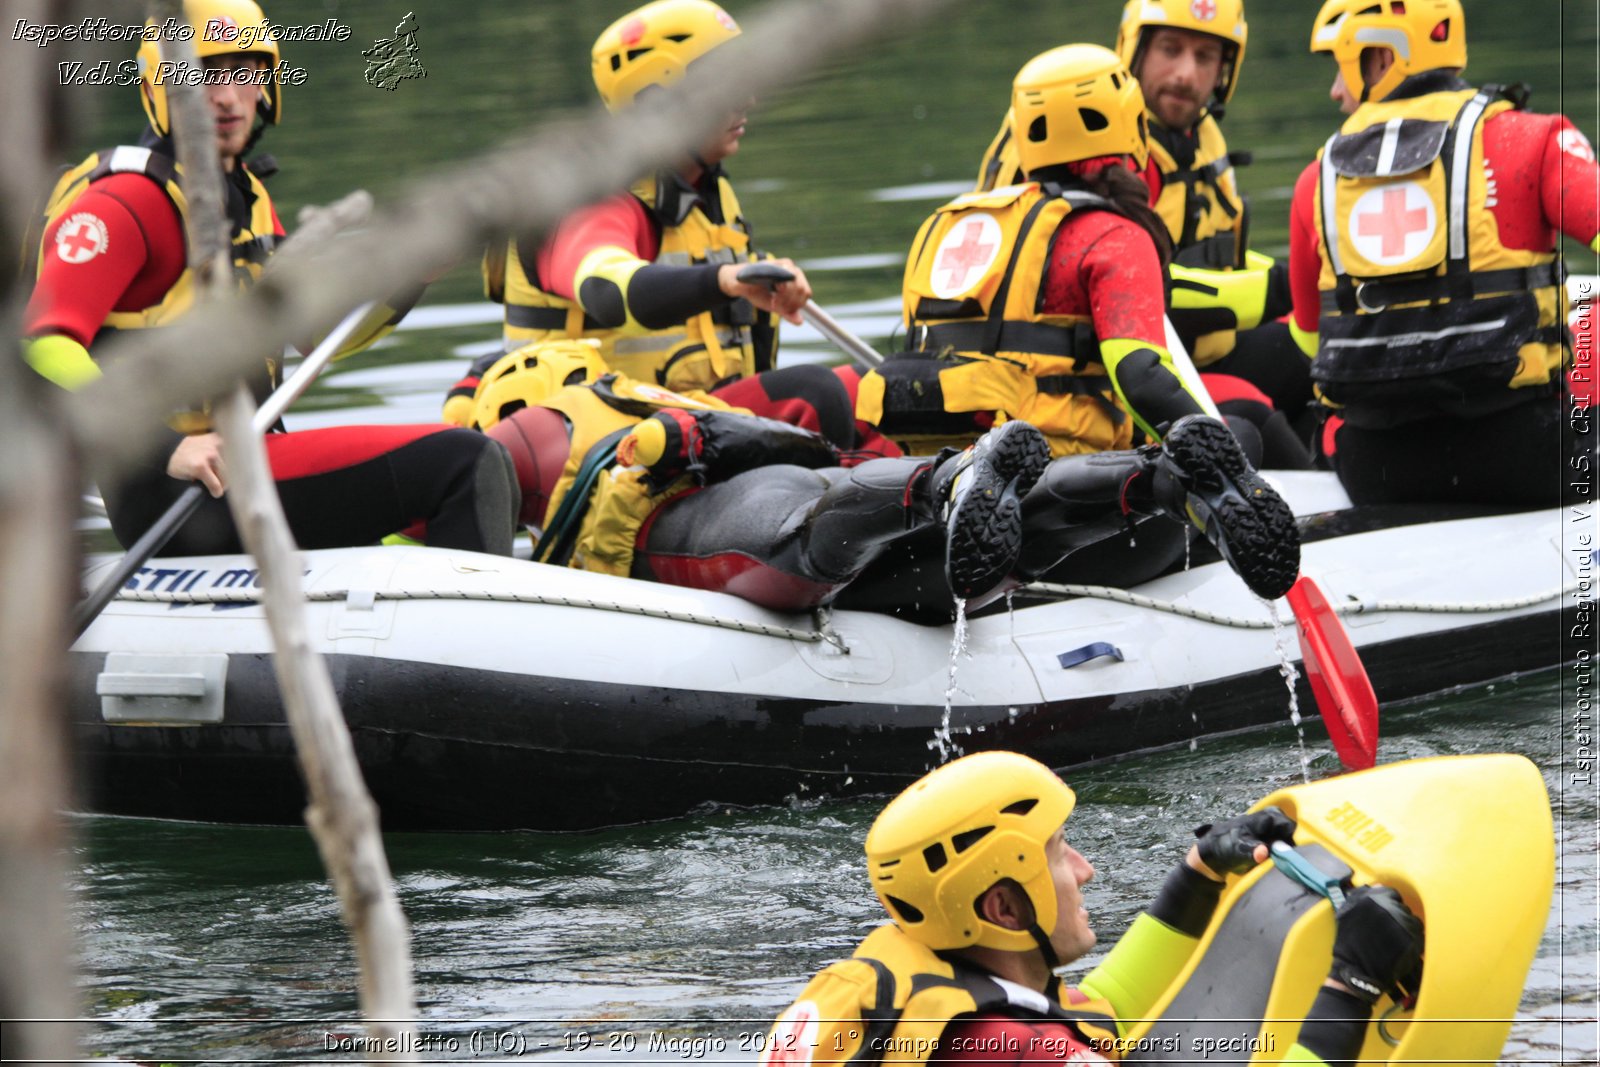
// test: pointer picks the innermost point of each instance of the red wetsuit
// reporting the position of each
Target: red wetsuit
(802, 395)
(1545, 181)
(1000, 1041)
(340, 486)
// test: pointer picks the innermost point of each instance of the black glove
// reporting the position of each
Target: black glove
(1228, 847)
(1378, 948)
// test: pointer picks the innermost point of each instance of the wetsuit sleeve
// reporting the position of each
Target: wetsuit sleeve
(118, 246)
(1139, 968)
(1305, 262)
(1569, 185)
(602, 257)
(1122, 279)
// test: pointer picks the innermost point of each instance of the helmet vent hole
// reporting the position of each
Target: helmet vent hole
(1038, 130)
(934, 856)
(1441, 32)
(967, 838)
(1116, 81)
(635, 53)
(511, 408)
(1093, 121)
(616, 62)
(577, 377)
(904, 911)
(1021, 807)
(678, 38)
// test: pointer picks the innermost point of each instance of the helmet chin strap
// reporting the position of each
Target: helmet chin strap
(1052, 988)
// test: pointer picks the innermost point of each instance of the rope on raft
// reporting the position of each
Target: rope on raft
(1352, 606)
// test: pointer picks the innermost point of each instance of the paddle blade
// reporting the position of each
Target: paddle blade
(1338, 680)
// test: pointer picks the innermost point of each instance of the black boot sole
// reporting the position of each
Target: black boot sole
(1247, 520)
(984, 531)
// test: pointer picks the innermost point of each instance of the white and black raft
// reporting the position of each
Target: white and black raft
(490, 694)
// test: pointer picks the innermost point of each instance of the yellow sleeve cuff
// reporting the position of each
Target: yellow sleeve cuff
(1112, 353)
(1243, 292)
(61, 360)
(1254, 260)
(617, 266)
(1594, 245)
(1139, 968)
(1305, 339)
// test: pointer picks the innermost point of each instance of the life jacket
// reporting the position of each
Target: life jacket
(892, 1000)
(1208, 220)
(712, 348)
(981, 351)
(598, 527)
(252, 230)
(1199, 199)
(1424, 311)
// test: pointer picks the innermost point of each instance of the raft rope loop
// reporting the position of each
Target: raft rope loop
(822, 618)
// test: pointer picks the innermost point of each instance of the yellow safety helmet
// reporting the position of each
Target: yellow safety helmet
(654, 46)
(532, 374)
(221, 28)
(1077, 102)
(1223, 19)
(1422, 34)
(957, 831)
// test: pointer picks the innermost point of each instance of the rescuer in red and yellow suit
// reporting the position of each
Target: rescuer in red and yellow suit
(113, 259)
(651, 274)
(1044, 302)
(1423, 267)
(985, 896)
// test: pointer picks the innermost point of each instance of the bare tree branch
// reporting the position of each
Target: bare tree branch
(527, 186)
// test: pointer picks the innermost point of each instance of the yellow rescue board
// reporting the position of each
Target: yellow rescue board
(1468, 842)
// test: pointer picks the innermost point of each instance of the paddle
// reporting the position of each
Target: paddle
(1338, 681)
(771, 275)
(189, 501)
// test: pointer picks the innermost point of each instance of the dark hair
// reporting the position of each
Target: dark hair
(1130, 197)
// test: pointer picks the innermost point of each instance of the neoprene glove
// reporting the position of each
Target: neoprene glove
(1378, 947)
(1228, 847)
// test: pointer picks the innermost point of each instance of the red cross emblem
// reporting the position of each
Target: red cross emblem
(793, 1037)
(81, 238)
(969, 246)
(221, 28)
(1393, 223)
(632, 31)
(1203, 10)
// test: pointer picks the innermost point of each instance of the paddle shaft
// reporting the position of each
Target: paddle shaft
(266, 416)
(843, 339)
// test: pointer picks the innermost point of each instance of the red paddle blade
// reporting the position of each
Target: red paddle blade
(1338, 680)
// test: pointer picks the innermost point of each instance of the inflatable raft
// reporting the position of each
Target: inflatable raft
(486, 693)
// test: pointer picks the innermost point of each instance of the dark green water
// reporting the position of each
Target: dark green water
(210, 943)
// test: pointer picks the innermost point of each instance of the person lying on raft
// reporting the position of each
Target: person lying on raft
(985, 897)
(1424, 268)
(630, 479)
(1225, 298)
(652, 273)
(1044, 302)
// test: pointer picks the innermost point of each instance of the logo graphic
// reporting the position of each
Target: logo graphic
(1203, 10)
(81, 238)
(794, 1036)
(964, 255)
(392, 60)
(1393, 224)
(632, 31)
(221, 28)
(1576, 145)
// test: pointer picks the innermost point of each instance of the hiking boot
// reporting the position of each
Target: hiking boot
(1200, 474)
(979, 493)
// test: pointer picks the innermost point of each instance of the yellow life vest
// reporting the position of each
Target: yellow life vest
(1424, 311)
(598, 529)
(892, 1000)
(712, 348)
(1200, 201)
(981, 350)
(253, 235)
